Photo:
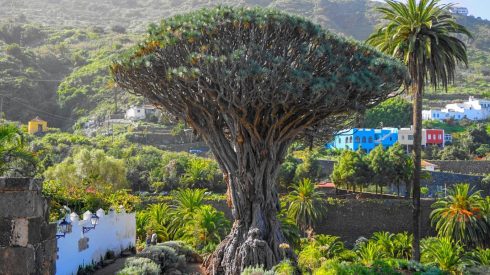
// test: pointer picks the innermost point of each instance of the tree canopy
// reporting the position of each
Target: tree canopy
(250, 82)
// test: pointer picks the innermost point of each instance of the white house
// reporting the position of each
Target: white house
(141, 112)
(473, 109)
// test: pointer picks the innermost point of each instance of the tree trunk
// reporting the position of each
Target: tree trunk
(256, 233)
(417, 90)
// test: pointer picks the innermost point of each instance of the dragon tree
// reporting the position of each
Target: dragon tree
(250, 82)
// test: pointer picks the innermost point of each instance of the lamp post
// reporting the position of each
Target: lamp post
(94, 220)
(62, 228)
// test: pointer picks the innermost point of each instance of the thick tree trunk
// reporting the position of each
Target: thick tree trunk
(256, 233)
(417, 146)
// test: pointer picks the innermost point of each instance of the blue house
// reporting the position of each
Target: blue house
(366, 139)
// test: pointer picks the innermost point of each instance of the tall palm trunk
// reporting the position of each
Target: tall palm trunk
(417, 91)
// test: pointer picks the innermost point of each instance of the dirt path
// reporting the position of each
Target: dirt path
(112, 268)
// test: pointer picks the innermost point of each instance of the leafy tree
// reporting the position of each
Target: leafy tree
(461, 216)
(454, 152)
(352, 169)
(305, 205)
(247, 81)
(394, 112)
(15, 158)
(425, 36)
(402, 166)
(92, 170)
(381, 166)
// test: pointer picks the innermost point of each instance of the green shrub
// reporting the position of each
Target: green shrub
(369, 252)
(256, 271)
(140, 266)
(164, 256)
(444, 253)
(480, 256)
(284, 268)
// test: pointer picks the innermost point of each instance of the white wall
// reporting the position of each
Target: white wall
(116, 232)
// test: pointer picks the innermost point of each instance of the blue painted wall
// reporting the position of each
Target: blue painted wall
(367, 139)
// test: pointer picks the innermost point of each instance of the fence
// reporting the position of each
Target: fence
(113, 232)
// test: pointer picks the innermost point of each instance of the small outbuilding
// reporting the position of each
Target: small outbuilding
(37, 125)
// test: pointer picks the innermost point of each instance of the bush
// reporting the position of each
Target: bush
(369, 252)
(256, 271)
(444, 253)
(165, 256)
(284, 268)
(137, 266)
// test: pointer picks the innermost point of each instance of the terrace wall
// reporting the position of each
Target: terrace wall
(353, 218)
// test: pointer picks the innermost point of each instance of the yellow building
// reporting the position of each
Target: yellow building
(37, 125)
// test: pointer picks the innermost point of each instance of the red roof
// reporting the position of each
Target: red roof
(326, 185)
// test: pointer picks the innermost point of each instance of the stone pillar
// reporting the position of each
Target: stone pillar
(27, 240)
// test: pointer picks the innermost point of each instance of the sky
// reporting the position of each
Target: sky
(477, 8)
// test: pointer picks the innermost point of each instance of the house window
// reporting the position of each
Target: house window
(440, 136)
(410, 137)
(340, 140)
(403, 137)
(364, 139)
(357, 139)
(138, 111)
(350, 139)
(346, 139)
(370, 139)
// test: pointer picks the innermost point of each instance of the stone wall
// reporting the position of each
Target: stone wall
(353, 218)
(480, 167)
(440, 180)
(27, 240)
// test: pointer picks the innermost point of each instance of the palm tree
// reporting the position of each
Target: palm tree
(15, 158)
(305, 205)
(460, 216)
(187, 202)
(425, 36)
(207, 228)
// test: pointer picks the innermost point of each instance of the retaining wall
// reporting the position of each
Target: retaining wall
(114, 232)
(353, 218)
(480, 167)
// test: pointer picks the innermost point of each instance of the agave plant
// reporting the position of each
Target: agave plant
(461, 216)
(443, 252)
(306, 205)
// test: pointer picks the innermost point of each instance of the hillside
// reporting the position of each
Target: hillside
(54, 53)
